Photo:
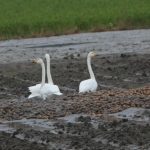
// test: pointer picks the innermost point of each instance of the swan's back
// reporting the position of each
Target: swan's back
(49, 89)
(44, 91)
(89, 85)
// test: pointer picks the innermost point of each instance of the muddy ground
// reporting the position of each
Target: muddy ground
(77, 121)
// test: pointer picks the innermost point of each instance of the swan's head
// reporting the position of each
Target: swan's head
(92, 54)
(47, 56)
(37, 60)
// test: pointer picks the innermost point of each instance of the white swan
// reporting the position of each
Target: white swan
(55, 88)
(89, 85)
(35, 90)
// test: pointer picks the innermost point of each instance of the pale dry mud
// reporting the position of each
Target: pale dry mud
(77, 121)
(137, 41)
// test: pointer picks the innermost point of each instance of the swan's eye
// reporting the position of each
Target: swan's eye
(33, 61)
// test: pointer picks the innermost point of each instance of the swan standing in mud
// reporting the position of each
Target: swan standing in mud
(89, 85)
(55, 88)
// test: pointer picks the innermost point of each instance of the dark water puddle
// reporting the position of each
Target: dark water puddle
(33, 129)
(72, 118)
(135, 114)
(61, 132)
(44, 124)
(6, 128)
(36, 124)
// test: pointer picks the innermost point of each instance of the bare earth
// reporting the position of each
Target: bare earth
(77, 121)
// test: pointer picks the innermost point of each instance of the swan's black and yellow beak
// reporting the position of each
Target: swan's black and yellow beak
(94, 54)
(34, 61)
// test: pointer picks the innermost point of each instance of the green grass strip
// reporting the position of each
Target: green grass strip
(29, 18)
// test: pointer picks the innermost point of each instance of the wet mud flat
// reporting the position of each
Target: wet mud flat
(78, 121)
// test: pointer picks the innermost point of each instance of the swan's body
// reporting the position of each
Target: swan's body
(89, 85)
(48, 90)
(53, 87)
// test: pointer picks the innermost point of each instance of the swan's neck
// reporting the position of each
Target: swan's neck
(43, 74)
(50, 81)
(90, 68)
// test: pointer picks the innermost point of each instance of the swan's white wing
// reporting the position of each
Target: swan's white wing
(34, 88)
(89, 85)
(49, 89)
(35, 91)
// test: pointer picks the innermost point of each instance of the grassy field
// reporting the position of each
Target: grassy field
(29, 18)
